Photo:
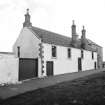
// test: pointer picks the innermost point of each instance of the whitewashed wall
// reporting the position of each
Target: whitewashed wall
(87, 61)
(63, 64)
(8, 69)
(29, 44)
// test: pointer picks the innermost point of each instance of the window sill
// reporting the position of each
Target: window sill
(54, 57)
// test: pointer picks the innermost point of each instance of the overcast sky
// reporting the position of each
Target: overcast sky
(54, 15)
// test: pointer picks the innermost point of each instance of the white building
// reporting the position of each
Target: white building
(44, 53)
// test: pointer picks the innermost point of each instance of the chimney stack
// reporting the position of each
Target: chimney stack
(83, 38)
(74, 35)
(27, 22)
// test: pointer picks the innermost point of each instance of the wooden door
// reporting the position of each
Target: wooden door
(95, 65)
(49, 68)
(79, 64)
(28, 68)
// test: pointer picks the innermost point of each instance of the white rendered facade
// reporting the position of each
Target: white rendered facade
(63, 64)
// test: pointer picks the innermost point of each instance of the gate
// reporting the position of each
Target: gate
(28, 68)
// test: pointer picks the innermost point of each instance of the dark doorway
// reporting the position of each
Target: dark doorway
(49, 67)
(28, 68)
(79, 64)
(95, 65)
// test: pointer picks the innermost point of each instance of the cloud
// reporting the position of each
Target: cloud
(35, 4)
(31, 4)
(4, 6)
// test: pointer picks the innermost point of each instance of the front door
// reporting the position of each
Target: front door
(49, 68)
(95, 65)
(79, 64)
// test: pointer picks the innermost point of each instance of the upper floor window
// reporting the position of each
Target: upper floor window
(54, 52)
(82, 54)
(92, 55)
(69, 53)
(18, 51)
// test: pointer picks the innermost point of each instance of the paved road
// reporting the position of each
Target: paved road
(12, 90)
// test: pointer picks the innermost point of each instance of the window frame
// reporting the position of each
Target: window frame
(82, 54)
(55, 51)
(92, 55)
(69, 53)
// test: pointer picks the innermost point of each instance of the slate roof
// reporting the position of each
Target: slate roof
(51, 37)
(93, 43)
(57, 39)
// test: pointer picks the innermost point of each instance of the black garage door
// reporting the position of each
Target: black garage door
(28, 68)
